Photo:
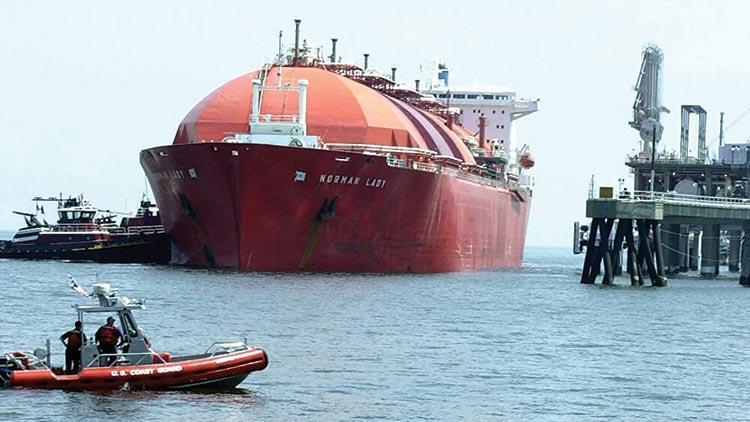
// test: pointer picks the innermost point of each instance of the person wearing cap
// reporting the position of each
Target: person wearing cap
(109, 337)
(73, 340)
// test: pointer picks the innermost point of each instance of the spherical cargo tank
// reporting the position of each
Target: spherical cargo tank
(339, 110)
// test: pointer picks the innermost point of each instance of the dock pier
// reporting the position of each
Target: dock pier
(671, 228)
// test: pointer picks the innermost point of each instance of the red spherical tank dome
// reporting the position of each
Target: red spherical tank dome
(339, 110)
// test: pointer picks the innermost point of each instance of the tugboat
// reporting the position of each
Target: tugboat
(86, 233)
(138, 366)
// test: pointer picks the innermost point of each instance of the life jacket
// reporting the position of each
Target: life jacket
(74, 339)
(107, 335)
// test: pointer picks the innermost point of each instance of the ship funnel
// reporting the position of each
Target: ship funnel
(302, 113)
(393, 74)
(256, 101)
(296, 41)
(333, 51)
(482, 126)
(367, 56)
(416, 85)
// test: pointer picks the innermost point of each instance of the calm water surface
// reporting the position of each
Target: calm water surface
(509, 345)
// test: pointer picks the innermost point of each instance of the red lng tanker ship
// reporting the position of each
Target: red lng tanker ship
(306, 165)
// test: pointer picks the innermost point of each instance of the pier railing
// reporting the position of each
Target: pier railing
(682, 199)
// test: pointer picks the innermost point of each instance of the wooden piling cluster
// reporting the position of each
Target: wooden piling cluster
(647, 253)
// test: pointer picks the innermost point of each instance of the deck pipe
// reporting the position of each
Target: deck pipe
(393, 74)
(256, 101)
(333, 49)
(367, 56)
(296, 41)
(302, 113)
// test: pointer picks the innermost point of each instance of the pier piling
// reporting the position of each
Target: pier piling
(745, 255)
(733, 262)
(673, 230)
(710, 251)
(684, 248)
(590, 251)
(694, 248)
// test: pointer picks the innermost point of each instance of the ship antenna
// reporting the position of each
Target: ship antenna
(296, 41)
(280, 57)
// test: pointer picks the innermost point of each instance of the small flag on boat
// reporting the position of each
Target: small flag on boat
(77, 287)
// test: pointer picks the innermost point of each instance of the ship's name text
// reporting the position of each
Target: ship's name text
(176, 174)
(342, 179)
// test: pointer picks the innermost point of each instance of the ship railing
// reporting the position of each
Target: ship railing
(665, 159)
(74, 227)
(125, 357)
(395, 162)
(136, 229)
(221, 347)
(378, 149)
(276, 118)
(684, 199)
(495, 183)
(26, 361)
(406, 163)
(145, 229)
(427, 167)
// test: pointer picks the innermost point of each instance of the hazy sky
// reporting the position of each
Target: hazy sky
(84, 86)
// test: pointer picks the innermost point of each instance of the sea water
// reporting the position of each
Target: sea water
(526, 344)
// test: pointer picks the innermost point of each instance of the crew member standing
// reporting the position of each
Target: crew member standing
(108, 337)
(73, 340)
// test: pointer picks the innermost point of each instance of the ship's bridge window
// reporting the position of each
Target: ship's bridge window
(472, 96)
(488, 97)
(442, 96)
(460, 96)
(76, 214)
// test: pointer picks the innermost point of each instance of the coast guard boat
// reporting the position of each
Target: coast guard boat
(137, 366)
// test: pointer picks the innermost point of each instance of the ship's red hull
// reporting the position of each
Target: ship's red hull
(269, 208)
